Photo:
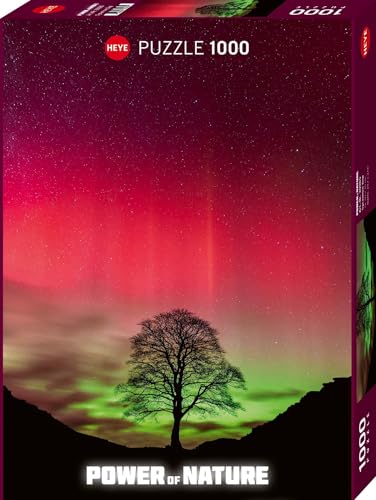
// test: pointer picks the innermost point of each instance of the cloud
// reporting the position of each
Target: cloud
(226, 429)
(252, 424)
(202, 426)
(65, 359)
(81, 419)
(209, 426)
(268, 395)
(76, 420)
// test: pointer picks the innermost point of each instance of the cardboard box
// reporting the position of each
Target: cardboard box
(189, 249)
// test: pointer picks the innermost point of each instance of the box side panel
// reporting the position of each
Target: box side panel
(364, 254)
(110, 9)
(277, 9)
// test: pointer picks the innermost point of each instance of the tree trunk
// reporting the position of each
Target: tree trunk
(175, 438)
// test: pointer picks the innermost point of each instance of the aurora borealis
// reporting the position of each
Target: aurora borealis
(212, 184)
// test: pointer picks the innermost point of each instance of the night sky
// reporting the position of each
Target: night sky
(214, 184)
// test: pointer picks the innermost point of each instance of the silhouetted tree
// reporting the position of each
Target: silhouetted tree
(177, 366)
(364, 299)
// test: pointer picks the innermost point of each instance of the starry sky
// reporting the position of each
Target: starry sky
(216, 184)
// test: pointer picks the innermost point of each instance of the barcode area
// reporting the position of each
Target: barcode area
(119, 9)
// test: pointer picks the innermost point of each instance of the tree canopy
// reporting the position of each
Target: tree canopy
(177, 366)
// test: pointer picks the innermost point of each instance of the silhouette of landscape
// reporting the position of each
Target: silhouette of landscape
(307, 448)
(265, 8)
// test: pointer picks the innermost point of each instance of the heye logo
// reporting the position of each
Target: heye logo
(48, 9)
(317, 11)
(117, 47)
(365, 42)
